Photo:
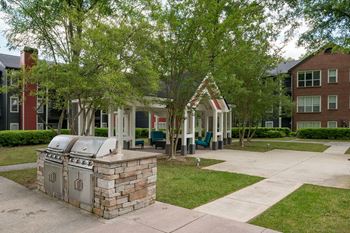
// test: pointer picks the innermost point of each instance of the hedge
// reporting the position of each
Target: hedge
(265, 132)
(27, 137)
(324, 133)
(139, 133)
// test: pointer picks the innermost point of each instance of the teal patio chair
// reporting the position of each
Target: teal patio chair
(206, 142)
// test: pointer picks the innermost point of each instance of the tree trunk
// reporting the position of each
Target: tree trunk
(60, 121)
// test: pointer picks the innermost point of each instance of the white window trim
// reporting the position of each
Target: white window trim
(336, 103)
(309, 96)
(11, 98)
(336, 75)
(268, 122)
(39, 110)
(304, 71)
(336, 124)
(13, 124)
(319, 122)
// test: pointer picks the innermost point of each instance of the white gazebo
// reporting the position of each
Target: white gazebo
(207, 110)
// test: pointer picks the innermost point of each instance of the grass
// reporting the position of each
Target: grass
(181, 183)
(261, 146)
(20, 154)
(26, 177)
(310, 209)
(347, 151)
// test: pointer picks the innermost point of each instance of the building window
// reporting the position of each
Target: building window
(14, 104)
(332, 124)
(332, 76)
(39, 105)
(309, 78)
(308, 124)
(40, 126)
(309, 104)
(104, 125)
(332, 102)
(14, 126)
(268, 124)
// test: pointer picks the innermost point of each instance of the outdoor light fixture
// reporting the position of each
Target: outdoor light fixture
(198, 160)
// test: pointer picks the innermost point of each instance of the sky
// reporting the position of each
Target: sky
(291, 50)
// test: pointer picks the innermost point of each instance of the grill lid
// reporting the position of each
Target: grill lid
(62, 143)
(93, 146)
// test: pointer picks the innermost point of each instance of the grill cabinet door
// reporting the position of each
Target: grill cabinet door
(53, 177)
(80, 185)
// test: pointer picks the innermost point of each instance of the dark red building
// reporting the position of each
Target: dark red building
(321, 90)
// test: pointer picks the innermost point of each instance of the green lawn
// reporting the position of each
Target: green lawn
(262, 146)
(310, 209)
(20, 154)
(24, 177)
(179, 182)
(183, 184)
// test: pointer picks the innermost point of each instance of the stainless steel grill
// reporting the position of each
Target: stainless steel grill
(81, 181)
(53, 163)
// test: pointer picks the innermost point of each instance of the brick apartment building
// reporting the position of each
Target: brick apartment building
(17, 115)
(321, 90)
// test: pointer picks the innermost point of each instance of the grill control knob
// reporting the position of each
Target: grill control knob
(91, 163)
(71, 159)
(84, 162)
(77, 161)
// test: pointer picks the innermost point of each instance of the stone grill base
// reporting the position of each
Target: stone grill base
(122, 184)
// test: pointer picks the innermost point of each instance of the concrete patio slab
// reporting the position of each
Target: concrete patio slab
(285, 171)
(164, 217)
(212, 224)
(251, 201)
(23, 210)
(21, 166)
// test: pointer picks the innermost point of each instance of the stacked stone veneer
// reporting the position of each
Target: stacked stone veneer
(40, 171)
(121, 185)
(124, 186)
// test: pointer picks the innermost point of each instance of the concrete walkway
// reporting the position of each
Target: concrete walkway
(285, 172)
(21, 166)
(22, 210)
(335, 149)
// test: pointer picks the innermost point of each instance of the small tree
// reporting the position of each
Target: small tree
(99, 51)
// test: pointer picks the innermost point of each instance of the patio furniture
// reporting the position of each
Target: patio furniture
(206, 142)
(160, 143)
(140, 142)
(157, 136)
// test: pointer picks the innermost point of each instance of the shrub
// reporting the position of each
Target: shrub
(293, 134)
(324, 133)
(265, 132)
(139, 133)
(25, 137)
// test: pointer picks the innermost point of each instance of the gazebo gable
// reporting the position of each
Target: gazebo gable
(208, 88)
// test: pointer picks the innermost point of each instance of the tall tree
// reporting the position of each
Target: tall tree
(100, 50)
(178, 59)
(328, 21)
(237, 38)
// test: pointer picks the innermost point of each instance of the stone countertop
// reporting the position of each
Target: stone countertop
(128, 155)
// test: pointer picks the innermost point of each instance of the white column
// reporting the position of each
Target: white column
(133, 126)
(120, 131)
(229, 127)
(206, 122)
(215, 129)
(225, 126)
(193, 126)
(221, 125)
(92, 126)
(156, 123)
(184, 134)
(110, 122)
(200, 126)
(149, 124)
